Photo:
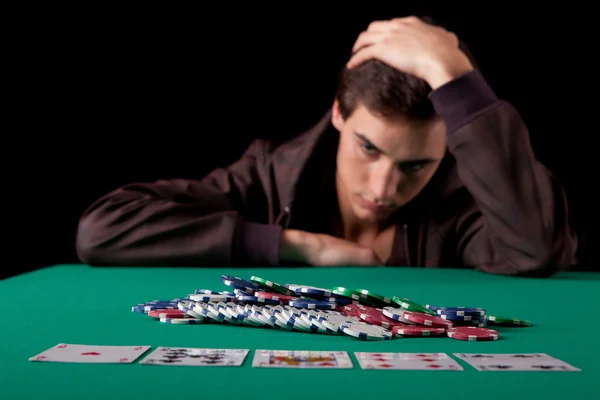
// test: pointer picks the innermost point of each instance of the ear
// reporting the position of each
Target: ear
(336, 117)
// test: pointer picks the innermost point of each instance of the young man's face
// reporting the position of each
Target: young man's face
(383, 164)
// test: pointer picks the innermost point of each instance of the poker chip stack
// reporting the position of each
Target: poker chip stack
(359, 313)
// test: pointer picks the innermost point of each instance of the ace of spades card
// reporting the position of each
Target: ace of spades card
(515, 362)
(408, 361)
(93, 354)
(197, 357)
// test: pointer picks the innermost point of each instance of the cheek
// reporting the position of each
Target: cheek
(353, 168)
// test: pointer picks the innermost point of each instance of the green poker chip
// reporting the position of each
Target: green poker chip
(356, 295)
(410, 305)
(494, 320)
(375, 297)
(274, 286)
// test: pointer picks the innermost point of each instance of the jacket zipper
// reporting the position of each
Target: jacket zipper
(283, 218)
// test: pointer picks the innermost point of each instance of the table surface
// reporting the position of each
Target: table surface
(86, 305)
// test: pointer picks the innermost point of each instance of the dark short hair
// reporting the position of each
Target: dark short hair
(386, 91)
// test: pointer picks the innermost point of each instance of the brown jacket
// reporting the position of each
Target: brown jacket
(490, 206)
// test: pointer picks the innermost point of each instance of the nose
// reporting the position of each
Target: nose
(385, 180)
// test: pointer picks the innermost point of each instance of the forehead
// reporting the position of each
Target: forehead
(398, 137)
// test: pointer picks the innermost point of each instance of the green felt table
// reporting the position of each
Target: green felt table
(90, 305)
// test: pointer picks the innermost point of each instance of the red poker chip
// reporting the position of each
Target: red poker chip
(353, 310)
(285, 299)
(375, 316)
(417, 330)
(426, 319)
(168, 313)
(472, 333)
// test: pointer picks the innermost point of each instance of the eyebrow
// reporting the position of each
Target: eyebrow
(403, 162)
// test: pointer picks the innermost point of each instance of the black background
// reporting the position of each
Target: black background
(110, 96)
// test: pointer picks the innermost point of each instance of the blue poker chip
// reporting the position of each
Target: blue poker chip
(312, 304)
(459, 311)
(240, 284)
(255, 299)
(341, 301)
(205, 291)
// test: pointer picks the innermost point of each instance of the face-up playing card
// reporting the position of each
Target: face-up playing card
(408, 361)
(301, 359)
(196, 357)
(82, 353)
(515, 362)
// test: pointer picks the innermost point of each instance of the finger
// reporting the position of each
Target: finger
(407, 20)
(382, 26)
(364, 54)
(368, 39)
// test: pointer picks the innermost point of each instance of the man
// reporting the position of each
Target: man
(416, 164)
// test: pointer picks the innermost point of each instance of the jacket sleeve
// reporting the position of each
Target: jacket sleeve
(184, 222)
(520, 225)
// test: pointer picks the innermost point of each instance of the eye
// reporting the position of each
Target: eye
(414, 167)
(368, 148)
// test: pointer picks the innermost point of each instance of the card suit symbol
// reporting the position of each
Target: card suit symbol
(40, 357)
(543, 366)
(386, 365)
(429, 359)
(380, 359)
(124, 359)
(62, 346)
(434, 366)
(91, 353)
(501, 366)
(377, 355)
(422, 355)
(522, 356)
(482, 356)
(138, 348)
(327, 364)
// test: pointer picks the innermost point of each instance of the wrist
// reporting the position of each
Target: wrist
(294, 245)
(440, 73)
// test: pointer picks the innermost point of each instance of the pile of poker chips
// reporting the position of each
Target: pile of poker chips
(359, 313)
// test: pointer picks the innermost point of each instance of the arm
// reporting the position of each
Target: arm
(521, 224)
(183, 222)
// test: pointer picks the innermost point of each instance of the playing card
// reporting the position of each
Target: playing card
(196, 357)
(515, 362)
(301, 359)
(82, 353)
(408, 361)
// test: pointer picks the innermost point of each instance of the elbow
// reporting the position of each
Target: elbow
(87, 247)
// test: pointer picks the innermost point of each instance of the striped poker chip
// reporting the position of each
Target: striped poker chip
(211, 297)
(312, 304)
(472, 333)
(416, 330)
(256, 299)
(507, 321)
(310, 290)
(285, 299)
(375, 316)
(274, 286)
(363, 331)
(181, 321)
(426, 319)
(168, 313)
(240, 284)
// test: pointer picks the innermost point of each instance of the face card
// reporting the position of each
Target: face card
(515, 362)
(82, 353)
(301, 359)
(408, 361)
(196, 357)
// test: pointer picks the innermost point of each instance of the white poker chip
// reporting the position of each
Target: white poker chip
(364, 331)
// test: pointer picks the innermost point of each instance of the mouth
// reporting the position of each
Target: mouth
(374, 207)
